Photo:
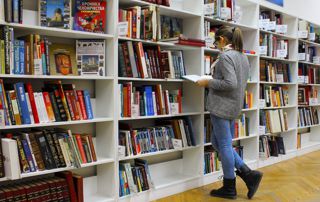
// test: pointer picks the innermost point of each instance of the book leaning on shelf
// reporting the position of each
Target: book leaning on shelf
(57, 102)
(138, 61)
(271, 146)
(157, 138)
(274, 121)
(36, 55)
(134, 178)
(40, 150)
(149, 100)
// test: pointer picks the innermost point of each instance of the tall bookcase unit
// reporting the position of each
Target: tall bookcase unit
(177, 170)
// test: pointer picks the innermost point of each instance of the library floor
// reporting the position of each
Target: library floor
(294, 180)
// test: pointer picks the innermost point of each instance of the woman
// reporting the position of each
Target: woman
(225, 101)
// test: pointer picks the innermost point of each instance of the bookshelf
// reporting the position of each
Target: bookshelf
(174, 170)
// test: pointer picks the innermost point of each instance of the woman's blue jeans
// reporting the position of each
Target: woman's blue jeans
(221, 139)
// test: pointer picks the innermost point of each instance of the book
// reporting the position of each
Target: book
(196, 78)
(91, 57)
(78, 184)
(55, 13)
(90, 15)
(63, 59)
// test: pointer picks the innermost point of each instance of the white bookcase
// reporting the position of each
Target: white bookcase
(176, 170)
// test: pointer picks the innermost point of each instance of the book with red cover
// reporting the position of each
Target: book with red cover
(82, 104)
(90, 15)
(78, 184)
(32, 102)
(80, 147)
(69, 178)
(93, 151)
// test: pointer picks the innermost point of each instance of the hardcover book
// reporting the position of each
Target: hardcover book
(91, 57)
(90, 15)
(63, 60)
(55, 13)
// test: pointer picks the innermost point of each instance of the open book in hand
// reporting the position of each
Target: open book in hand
(196, 78)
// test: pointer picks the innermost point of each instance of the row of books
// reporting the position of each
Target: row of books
(307, 95)
(271, 71)
(210, 30)
(211, 161)
(35, 55)
(149, 100)
(146, 23)
(57, 102)
(308, 31)
(273, 46)
(134, 178)
(274, 96)
(241, 128)
(157, 138)
(89, 15)
(274, 121)
(308, 53)
(270, 20)
(271, 146)
(308, 116)
(308, 74)
(248, 100)
(221, 9)
(64, 186)
(138, 61)
(40, 150)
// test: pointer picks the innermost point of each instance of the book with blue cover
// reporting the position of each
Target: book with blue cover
(87, 101)
(22, 103)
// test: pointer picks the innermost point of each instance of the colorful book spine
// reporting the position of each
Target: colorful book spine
(87, 101)
(28, 155)
(22, 103)
(21, 57)
(16, 58)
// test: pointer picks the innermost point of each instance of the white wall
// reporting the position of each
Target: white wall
(305, 9)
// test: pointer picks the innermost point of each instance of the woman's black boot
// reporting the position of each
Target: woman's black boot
(228, 190)
(252, 178)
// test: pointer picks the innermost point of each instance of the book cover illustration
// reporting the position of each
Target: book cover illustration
(55, 13)
(63, 59)
(91, 57)
(170, 27)
(90, 15)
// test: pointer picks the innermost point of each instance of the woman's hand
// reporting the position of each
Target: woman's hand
(203, 82)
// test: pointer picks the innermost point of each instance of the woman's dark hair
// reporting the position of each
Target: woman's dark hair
(233, 35)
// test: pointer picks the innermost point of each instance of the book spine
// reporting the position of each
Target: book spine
(21, 57)
(7, 49)
(87, 102)
(52, 148)
(58, 149)
(23, 160)
(16, 62)
(22, 103)
(82, 104)
(69, 102)
(11, 110)
(20, 11)
(46, 43)
(81, 149)
(49, 107)
(15, 9)
(93, 152)
(29, 108)
(28, 155)
(43, 57)
(55, 107)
